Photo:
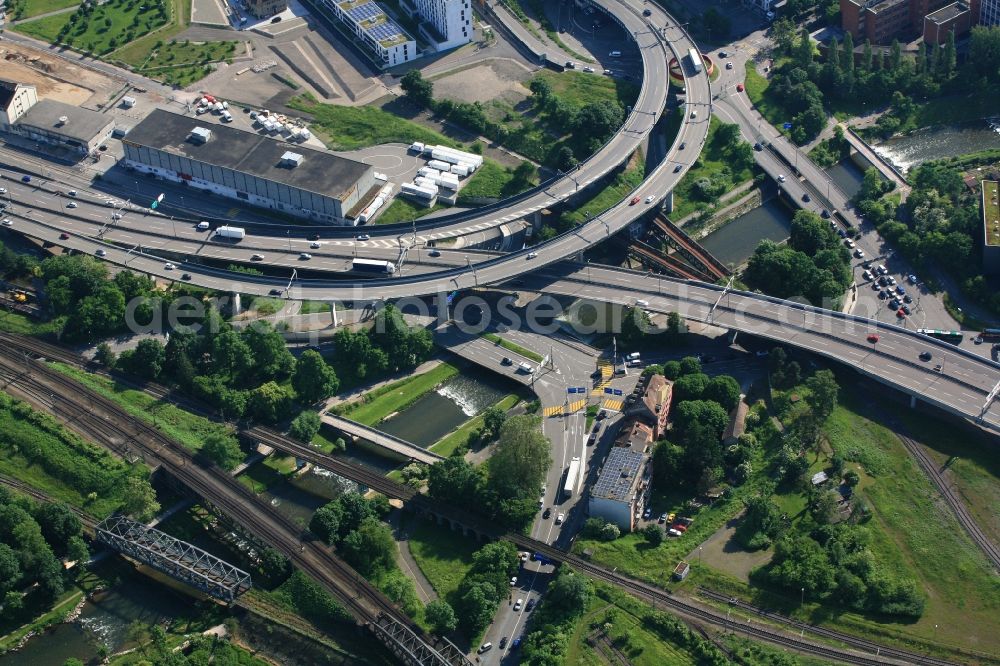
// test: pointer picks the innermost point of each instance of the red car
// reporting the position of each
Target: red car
(64, 235)
(872, 338)
(900, 313)
(680, 527)
(739, 87)
(634, 201)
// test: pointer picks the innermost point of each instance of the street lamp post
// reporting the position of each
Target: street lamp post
(288, 235)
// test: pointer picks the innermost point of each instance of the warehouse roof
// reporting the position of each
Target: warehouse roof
(248, 152)
(81, 124)
(948, 13)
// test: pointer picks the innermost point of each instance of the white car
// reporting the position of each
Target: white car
(849, 243)
(532, 255)
(518, 604)
(524, 557)
(8, 223)
(168, 266)
(71, 204)
(589, 70)
(116, 216)
(649, 199)
(305, 256)
(100, 252)
(781, 177)
(3, 190)
(729, 65)
(859, 253)
(560, 518)
(314, 245)
(513, 581)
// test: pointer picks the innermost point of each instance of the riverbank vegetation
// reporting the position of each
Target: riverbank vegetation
(724, 162)
(376, 405)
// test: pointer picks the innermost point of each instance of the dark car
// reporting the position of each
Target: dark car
(64, 235)
(907, 299)
(758, 147)
(547, 513)
(905, 308)
(314, 237)
(647, 12)
(503, 642)
(925, 356)
(677, 168)
(277, 292)
(806, 197)
(506, 361)
(276, 19)
(530, 606)
(601, 415)
(825, 214)
(25, 179)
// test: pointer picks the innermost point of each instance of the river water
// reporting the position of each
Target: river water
(734, 243)
(439, 412)
(931, 144)
(104, 619)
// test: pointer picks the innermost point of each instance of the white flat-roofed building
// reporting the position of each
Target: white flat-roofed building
(617, 495)
(15, 100)
(251, 168)
(391, 44)
(450, 21)
(64, 126)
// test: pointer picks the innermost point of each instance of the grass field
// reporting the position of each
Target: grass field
(185, 427)
(578, 89)
(178, 63)
(713, 163)
(25, 9)
(269, 472)
(398, 395)
(11, 322)
(353, 127)
(103, 29)
(756, 89)
(314, 307)
(444, 556)
(404, 210)
(492, 181)
(623, 183)
(447, 444)
(512, 346)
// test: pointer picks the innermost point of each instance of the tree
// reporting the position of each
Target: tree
(799, 563)
(10, 568)
(147, 359)
(370, 548)
(455, 481)
(475, 605)
(440, 615)
(610, 532)
(493, 420)
(693, 414)
(822, 397)
(675, 325)
(518, 466)
(804, 50)
(314, 379)
(690, 387)
(269, 401)
(272, 360)
(105, 356)
(326, 521)
(653, 535)
(724, 390)
(690, 365)
(851, 478)
(565, 160)
(417, 89)
(716, 24)
(569, 594)
(58, 524)
(727, 134)
(139, 498)
(305, 426)
(77, 551)
(223, 450)
(274, 566)
(824, 508)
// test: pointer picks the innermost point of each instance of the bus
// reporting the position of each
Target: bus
(695, 59)
(953, 337)
(990, 334)
(373, 266)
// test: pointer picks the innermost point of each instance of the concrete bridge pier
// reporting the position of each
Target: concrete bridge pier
(236, 303)
(333, 313)
(913, 402)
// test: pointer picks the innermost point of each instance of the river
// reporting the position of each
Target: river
(735, 242)
(439, 412)
(931, 144)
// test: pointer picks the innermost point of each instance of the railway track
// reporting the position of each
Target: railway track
(14, 345)
(955, 503)
(88, 521)
(99, 419)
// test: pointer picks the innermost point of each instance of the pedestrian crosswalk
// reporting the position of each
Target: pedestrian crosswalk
(576, 406)
(607, 372)
(612, 405)
(557, 410)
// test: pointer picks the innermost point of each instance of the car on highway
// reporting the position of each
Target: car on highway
(872, 338)
(825, 214)
(570, 64)
(634, 201)
(560, 518)
(678, 168)
(547, 513)
(937, 368)
(169, 266)
(739, 87)
(723, 54)
(72, 193)
(434, 253)
(116, 216)
(841, 233)
(305, 256)
(532, 255)
(100, 252)
(849, 243)
(256, 257)
(530, 606)
(25, 179)
(518, 605)
(925, 356)
(485, 647)
(649, 199)
(71, 204)
(589, 70)
(314, 237)
(8, 223)
(729, 65)
(362, 237)
(601, 415)
(3, 190)
(781, 177)
(516, 643)
(506, 361)
(758, 147)
(314, 245)
(683, 145)
(647, 12)
(276, 292)
(64, 235)
(503, 642)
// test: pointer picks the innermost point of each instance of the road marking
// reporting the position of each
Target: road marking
(614, 405)
(232, 212)
(553, 411)
(576, 406)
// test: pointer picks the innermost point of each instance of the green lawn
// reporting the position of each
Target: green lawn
(268, 472)
(314, 307)
(183, 426)
(25, 9)
(756, 89)
(578, 89)
(265, 306)
(714, 164)
(492, 181)
(394, 397)
(443, 555)
(512, 346)
(404, 210)
(624, 182)
(178, 63)
(353, 127)
(102, 30)
(11, 322)
(447, 444)
(948, 110)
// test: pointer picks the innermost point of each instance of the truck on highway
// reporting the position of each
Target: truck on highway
(572, 477)
(695, 60)
(373, 266)
(231, 233)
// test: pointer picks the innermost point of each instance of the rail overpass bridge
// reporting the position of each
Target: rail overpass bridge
(396, 445)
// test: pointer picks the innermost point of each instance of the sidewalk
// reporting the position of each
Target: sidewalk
(357, 393)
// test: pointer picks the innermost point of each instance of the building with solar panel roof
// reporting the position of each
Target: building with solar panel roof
(376, 29)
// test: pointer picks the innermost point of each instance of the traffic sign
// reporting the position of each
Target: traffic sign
(618, 391)
(609, 391)
(581, 389)
(571, 390)
(787, 126)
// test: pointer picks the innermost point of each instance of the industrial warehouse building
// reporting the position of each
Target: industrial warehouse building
(71, 128)
(251, 168)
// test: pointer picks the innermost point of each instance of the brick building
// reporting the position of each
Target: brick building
(881, 21)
